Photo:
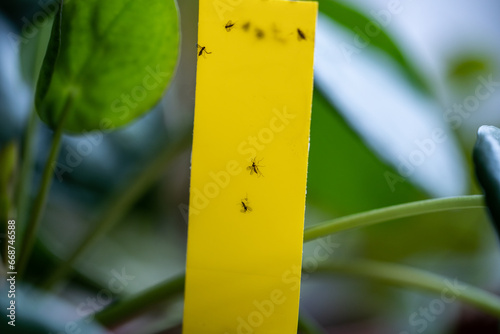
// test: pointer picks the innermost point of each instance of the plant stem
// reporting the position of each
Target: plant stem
(122, 203)
(41, 199)
(148, 299)
(26, 173)
(23, 186)
(142, 302)
(411, 278)
(392, 212)
(387, 273)
(403, 276)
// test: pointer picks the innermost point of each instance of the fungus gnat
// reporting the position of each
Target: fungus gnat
(202, 49)
(259, 33)
(246, 26)
(301, 34)
(254, 167)
(244, 205)
(229, 25)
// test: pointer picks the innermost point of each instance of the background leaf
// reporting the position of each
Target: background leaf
(345, 176)
(402, 125)
(115, 57)
(354, 20)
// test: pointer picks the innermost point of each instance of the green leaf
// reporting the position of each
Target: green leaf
(113, 58)
(487, 162)
(360, 25)
(345, 176)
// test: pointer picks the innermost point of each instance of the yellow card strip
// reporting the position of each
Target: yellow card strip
(249, 166)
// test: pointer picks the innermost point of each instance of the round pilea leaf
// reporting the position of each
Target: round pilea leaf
(487, 164)
(111, 61)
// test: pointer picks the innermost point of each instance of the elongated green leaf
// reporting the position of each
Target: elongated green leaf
(345, 176)
(487, 163)
(371, 31)
(114, 58)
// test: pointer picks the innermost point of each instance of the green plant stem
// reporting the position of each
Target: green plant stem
(149, 298)
(387, 273)
(433, 283)
(121, 204)
(142, 302)
(41, 199)
(417, 279)
(23, 185)
(26, 173)
(392, 212)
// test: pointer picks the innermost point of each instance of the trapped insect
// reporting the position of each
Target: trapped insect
(259, 33)
(246, 26)
(254, 167)
(202, 49)
(229, 25)
(244, 205)
(301, 34)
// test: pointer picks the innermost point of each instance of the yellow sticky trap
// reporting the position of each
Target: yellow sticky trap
(249, 166)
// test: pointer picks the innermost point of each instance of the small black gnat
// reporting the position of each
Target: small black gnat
(229, 25)
(301, 34)
(254, 167)
(202, 49)
(244, 205)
